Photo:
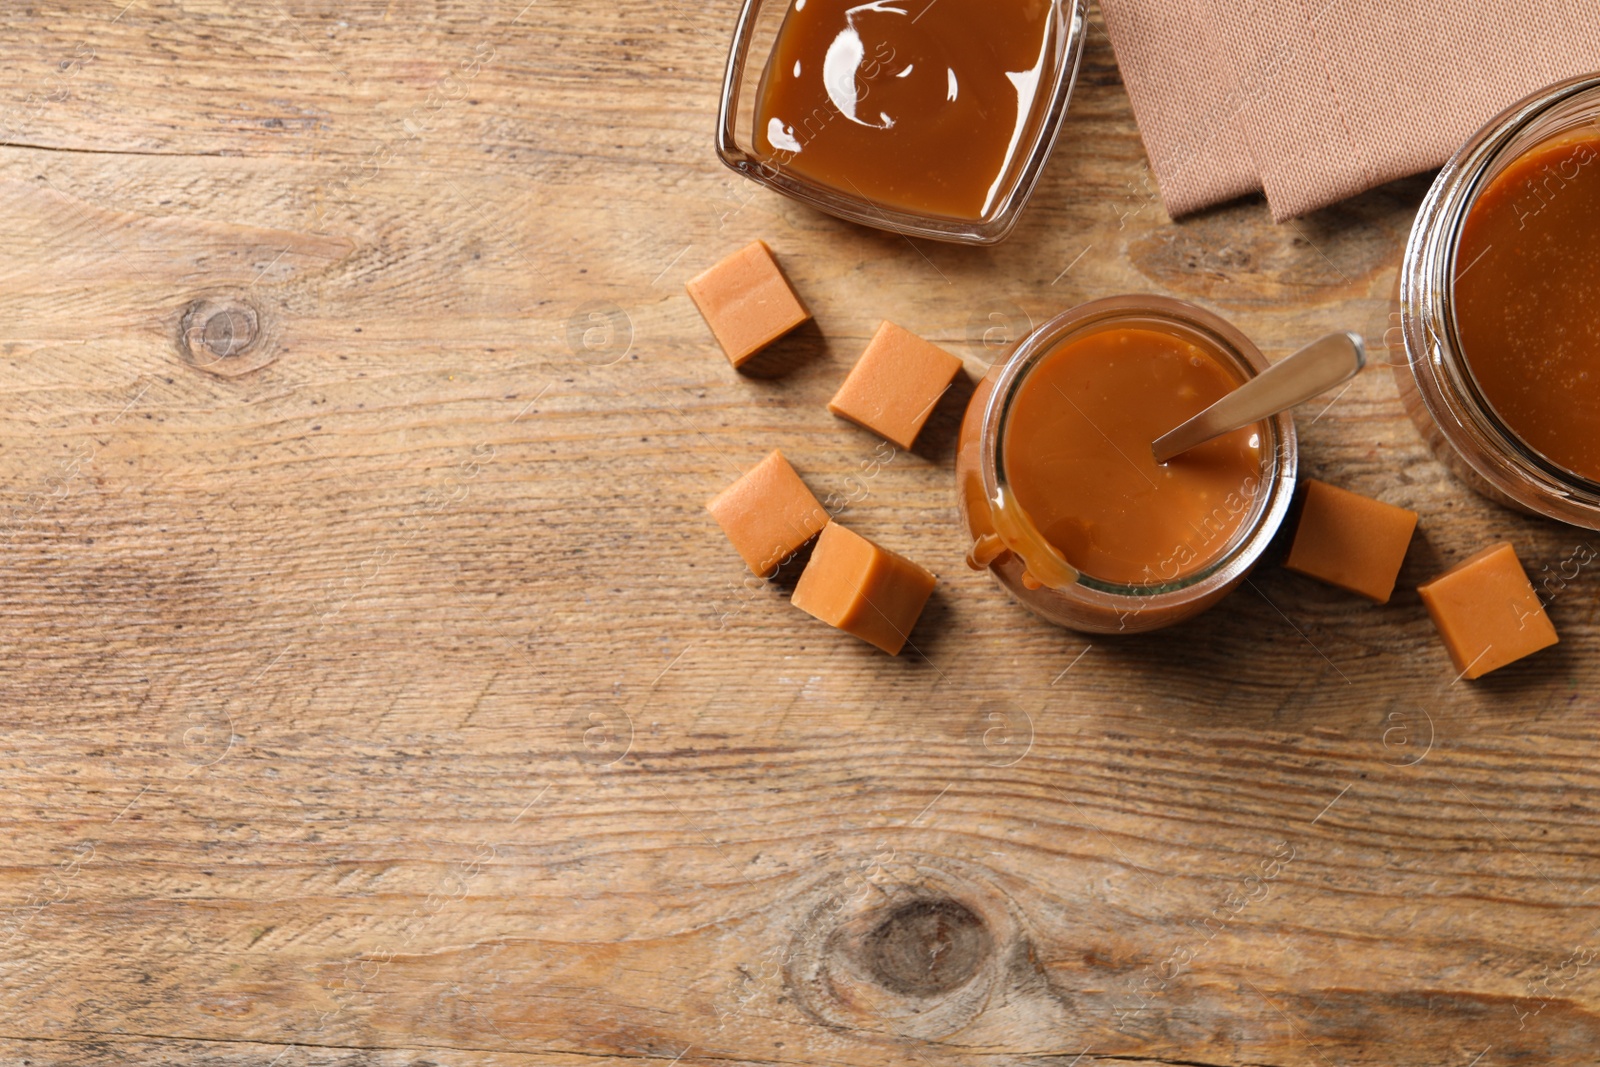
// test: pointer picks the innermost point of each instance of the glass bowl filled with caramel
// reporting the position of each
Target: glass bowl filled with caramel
(931, 118)
(1059, 486)
(1500, 307)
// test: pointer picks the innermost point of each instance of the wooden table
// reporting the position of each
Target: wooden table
(377, 690)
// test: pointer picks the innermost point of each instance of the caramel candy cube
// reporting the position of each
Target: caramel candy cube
(1351, 541)
(747, 302)
(1487, 612)
(768, 514)
(894, 386)
(862, 589)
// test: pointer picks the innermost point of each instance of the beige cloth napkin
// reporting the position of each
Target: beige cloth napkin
(1316, 100)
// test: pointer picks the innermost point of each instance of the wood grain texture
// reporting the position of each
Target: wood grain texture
(378, 691)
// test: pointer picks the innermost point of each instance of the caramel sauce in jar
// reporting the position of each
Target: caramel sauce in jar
(1059, 489)
(1527, 299)
(1077, 456)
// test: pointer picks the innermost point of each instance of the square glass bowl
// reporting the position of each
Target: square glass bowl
(754, 42)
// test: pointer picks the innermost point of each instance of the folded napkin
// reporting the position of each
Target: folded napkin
(1316, 100)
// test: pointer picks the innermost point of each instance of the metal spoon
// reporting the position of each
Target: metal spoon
(1315, 369)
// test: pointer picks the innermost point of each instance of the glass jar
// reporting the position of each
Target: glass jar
(754, 39)
(1435, 381)
(1005, 540)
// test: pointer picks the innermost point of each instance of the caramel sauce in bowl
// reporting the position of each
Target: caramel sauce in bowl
(930, 118)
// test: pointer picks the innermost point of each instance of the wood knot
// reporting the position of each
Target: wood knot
(229, 331)
(903, 943)
(224, 335)
(927, 947)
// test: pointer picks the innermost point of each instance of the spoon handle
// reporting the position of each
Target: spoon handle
(1313, 370)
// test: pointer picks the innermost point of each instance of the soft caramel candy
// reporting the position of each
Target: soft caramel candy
(1351, 541)
(1487, 612)
(768, 514)
(862, 589)
(894, 386)
(747, 302)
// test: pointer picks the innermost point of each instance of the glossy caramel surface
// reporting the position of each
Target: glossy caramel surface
(1076, 455)
(1527, 299)
(919, 105)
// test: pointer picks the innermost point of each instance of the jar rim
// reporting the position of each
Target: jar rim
(1439, 368)
(1271, 502)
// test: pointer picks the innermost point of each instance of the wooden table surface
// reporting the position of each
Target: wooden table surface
(377, 690)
